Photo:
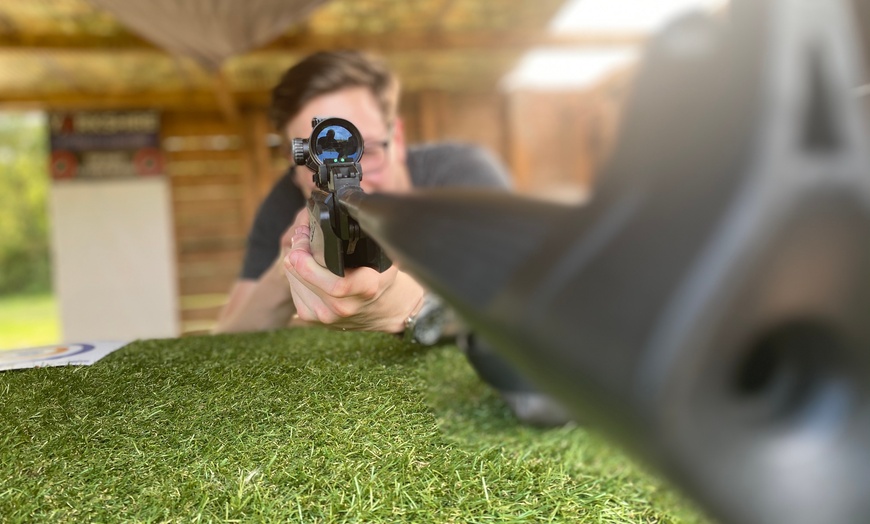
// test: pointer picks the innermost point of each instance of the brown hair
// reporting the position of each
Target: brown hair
(329, 71)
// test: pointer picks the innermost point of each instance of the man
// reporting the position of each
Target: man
(280, 277)
(361, 89)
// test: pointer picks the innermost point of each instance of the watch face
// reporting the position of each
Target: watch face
(429, 326)
(428, 330)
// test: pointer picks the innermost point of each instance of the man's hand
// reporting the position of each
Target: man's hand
(363, 299)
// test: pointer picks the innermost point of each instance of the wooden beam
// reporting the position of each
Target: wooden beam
(305, 42)
(225, 99)
(519, 157)
(430, 114)
(188, 100)
(48, 41)
(443, 41)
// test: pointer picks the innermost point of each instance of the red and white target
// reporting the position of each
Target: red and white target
(64, 165)
(148, 162)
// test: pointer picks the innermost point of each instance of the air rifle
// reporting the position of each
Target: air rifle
(333, 152)
(709, 308)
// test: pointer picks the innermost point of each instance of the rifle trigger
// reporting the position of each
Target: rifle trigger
(354, 234)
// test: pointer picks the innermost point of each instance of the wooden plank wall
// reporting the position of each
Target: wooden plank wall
(470, 117)
(557, 141)
(221, 170)
(552, 142)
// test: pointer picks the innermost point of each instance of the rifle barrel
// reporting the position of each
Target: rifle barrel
(708, 307)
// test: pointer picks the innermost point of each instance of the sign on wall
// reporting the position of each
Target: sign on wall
(97, 145)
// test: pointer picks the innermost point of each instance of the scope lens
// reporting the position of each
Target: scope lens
(337, 144)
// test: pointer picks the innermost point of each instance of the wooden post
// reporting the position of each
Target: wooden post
(429, 116)
(224, 97)
(518, 155)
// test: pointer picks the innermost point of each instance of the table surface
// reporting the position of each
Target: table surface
(299, 425)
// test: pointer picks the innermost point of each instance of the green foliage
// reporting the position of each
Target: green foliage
(24, 182)
(28, 320)
(301, 425)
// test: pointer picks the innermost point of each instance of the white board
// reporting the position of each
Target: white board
(113, 258)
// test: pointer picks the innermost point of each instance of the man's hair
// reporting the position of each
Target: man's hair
(329, 71)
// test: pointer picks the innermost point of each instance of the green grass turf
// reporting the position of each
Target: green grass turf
(302, 425)
(28, 320)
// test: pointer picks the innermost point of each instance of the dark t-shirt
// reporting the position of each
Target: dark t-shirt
(432, 165)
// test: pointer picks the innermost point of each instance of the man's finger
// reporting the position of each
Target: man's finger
(287, 237)
(304, 299)
(362, 282)
(301, 238)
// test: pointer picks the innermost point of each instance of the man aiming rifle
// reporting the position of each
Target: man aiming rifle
(281, 278)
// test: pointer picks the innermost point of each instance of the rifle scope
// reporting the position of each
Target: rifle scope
(332, 141)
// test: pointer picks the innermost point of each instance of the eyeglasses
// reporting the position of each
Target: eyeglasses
(375, 154)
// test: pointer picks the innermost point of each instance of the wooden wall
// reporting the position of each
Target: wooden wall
(470, 117)
(557, 141)
(220, 170)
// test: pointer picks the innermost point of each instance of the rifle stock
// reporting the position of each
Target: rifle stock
(709, 307)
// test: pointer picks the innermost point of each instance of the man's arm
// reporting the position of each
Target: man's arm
(363, 299)
(261, 304)
(260, 299)
(256, 305)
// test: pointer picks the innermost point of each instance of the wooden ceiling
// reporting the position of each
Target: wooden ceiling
(68, 52)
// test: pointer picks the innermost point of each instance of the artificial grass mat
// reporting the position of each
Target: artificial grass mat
(302, 425)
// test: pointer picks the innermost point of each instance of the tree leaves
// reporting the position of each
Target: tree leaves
(24, 182)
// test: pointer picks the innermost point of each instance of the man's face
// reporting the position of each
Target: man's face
(383, 168)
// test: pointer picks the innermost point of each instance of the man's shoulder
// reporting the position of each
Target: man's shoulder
(455, 164)
(282, 203)
(435, 150)
(284, 189)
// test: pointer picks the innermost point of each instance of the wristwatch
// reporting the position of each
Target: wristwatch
(427, 325)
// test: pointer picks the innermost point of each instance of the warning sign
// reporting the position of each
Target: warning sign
(105, 144)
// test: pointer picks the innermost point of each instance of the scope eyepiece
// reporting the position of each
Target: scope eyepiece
(333, 141)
